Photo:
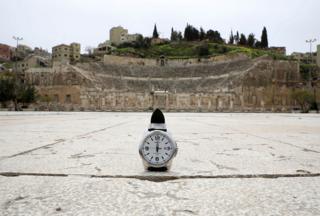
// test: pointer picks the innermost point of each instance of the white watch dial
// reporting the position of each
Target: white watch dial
(157, 149)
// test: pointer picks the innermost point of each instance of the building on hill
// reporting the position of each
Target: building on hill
(41, 52)
(304, 57)
(103, 48)
(6, 52)
(22, 51)
(278, 50)
(318, 55)
(66, 53)
(32, 61)
(119, 35)
(156, 41)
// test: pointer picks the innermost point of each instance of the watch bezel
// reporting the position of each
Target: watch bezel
(165, 164)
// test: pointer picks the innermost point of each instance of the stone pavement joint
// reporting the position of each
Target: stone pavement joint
(163, 178)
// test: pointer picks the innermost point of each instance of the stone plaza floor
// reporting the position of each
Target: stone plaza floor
(80, 163)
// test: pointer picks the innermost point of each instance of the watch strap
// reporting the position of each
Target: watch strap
(157, 121)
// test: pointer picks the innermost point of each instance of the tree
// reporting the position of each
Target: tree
(191, 33)
(146, 42)
(264, 38)
(12, 89)
(243, 40)
(174, 35)
(202, 35)
(180, 37)
(231, 38)
(251, 40)
(214, 36)
(237, 38)
(258, 44)
(304, 99)
(6, 88)
(155, 32)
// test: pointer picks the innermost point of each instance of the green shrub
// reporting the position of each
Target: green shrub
(304, 98)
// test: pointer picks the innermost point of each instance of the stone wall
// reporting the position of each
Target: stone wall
(273, 98)
(124, 60)
(121, 60)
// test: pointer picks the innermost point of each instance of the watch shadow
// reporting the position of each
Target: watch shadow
(160, 169)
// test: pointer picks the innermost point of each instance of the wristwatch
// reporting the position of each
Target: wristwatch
(157, 148)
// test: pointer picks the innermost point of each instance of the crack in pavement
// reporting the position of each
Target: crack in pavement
(63, 140)
(260, 137)
(164, 177)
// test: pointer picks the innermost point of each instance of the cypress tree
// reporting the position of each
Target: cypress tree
(155, 32)
(251, 40)
(243, 40)
(202, 34)
(231, 38)
(237, 38)
(191, 33)
(172, 38)
(264, 38)
(174, 35)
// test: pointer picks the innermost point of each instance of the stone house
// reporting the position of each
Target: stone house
(119, 35)
(103, 48)
(5, 52)
(66, 53)
(32, 61)
(22, 51)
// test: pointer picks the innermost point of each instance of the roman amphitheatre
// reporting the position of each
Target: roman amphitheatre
(117, 83)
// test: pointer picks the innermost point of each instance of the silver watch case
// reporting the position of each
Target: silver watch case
(167, 165)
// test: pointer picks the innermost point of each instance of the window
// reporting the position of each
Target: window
(65, 55)
(68, 99)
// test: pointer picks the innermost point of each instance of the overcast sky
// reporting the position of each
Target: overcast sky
(45, 23)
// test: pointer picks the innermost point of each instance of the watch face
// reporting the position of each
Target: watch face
(157, 148)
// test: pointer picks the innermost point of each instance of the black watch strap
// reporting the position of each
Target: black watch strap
(157, 121)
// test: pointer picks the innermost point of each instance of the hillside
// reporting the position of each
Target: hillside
(193, 49)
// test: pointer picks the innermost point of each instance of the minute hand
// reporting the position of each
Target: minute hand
(157, 147)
